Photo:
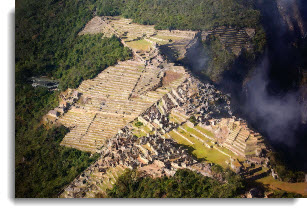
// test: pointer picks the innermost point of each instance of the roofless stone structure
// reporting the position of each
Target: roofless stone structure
(171, 105)
(122, 92)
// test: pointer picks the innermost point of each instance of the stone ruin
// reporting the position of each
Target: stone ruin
(211, 110)
(101, 116)
(120, 93)
(191, 98)
(154, 156)
(157, 156)
(248, 146)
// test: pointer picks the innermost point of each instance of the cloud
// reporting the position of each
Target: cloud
(277, 116)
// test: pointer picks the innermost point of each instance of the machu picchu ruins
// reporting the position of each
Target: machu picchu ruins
(141, 113)
(158, 99)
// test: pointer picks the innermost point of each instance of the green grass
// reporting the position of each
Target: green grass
(250, 153)
(146, 129)
(139, 45)
(210, 134)
(200, 150)
(270, 182)
(193, 131)
(138, 124)
(207, 132)
(137, 129)
(227, 151)
(174, 119)
(139, 133)
(260, 172)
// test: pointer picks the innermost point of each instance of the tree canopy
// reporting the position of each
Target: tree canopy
(183, 14)
(184, 184)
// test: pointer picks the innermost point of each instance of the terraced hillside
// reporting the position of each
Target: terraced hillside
(105, 104)
(141, 113)
(190, 115)
(233, 39)
(142, 39)
(152, 142)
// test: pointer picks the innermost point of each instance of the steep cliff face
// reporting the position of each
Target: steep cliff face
(277, 93)
(285, 22)
(291, 13)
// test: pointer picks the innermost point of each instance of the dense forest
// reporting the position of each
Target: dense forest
(46, 166)
(47, 42)
(45, 32)
(184, 184)
(89, 56)
(183, 14)
(42, 166)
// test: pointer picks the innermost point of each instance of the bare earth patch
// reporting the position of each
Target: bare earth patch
(170, 76)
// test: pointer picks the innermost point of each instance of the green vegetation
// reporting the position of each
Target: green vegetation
(183, 14)
(47, 42)
(175, 118)
(284, 194)
(138, 124)
(184, 184)
(271, 183)
(196, 15)
(141, 44)
(205, 131)
(30, 105)
(285, 174)
(220, 58)
(199, 150)
(46, 166)
(88, 57)
(45, 32)
(140, 129)
(196, 133)
(42, 166)
(222, 61)
(193, 120)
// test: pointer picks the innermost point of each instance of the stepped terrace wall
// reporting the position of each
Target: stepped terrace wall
(102, 118)
(119, 94)
(233, 39)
